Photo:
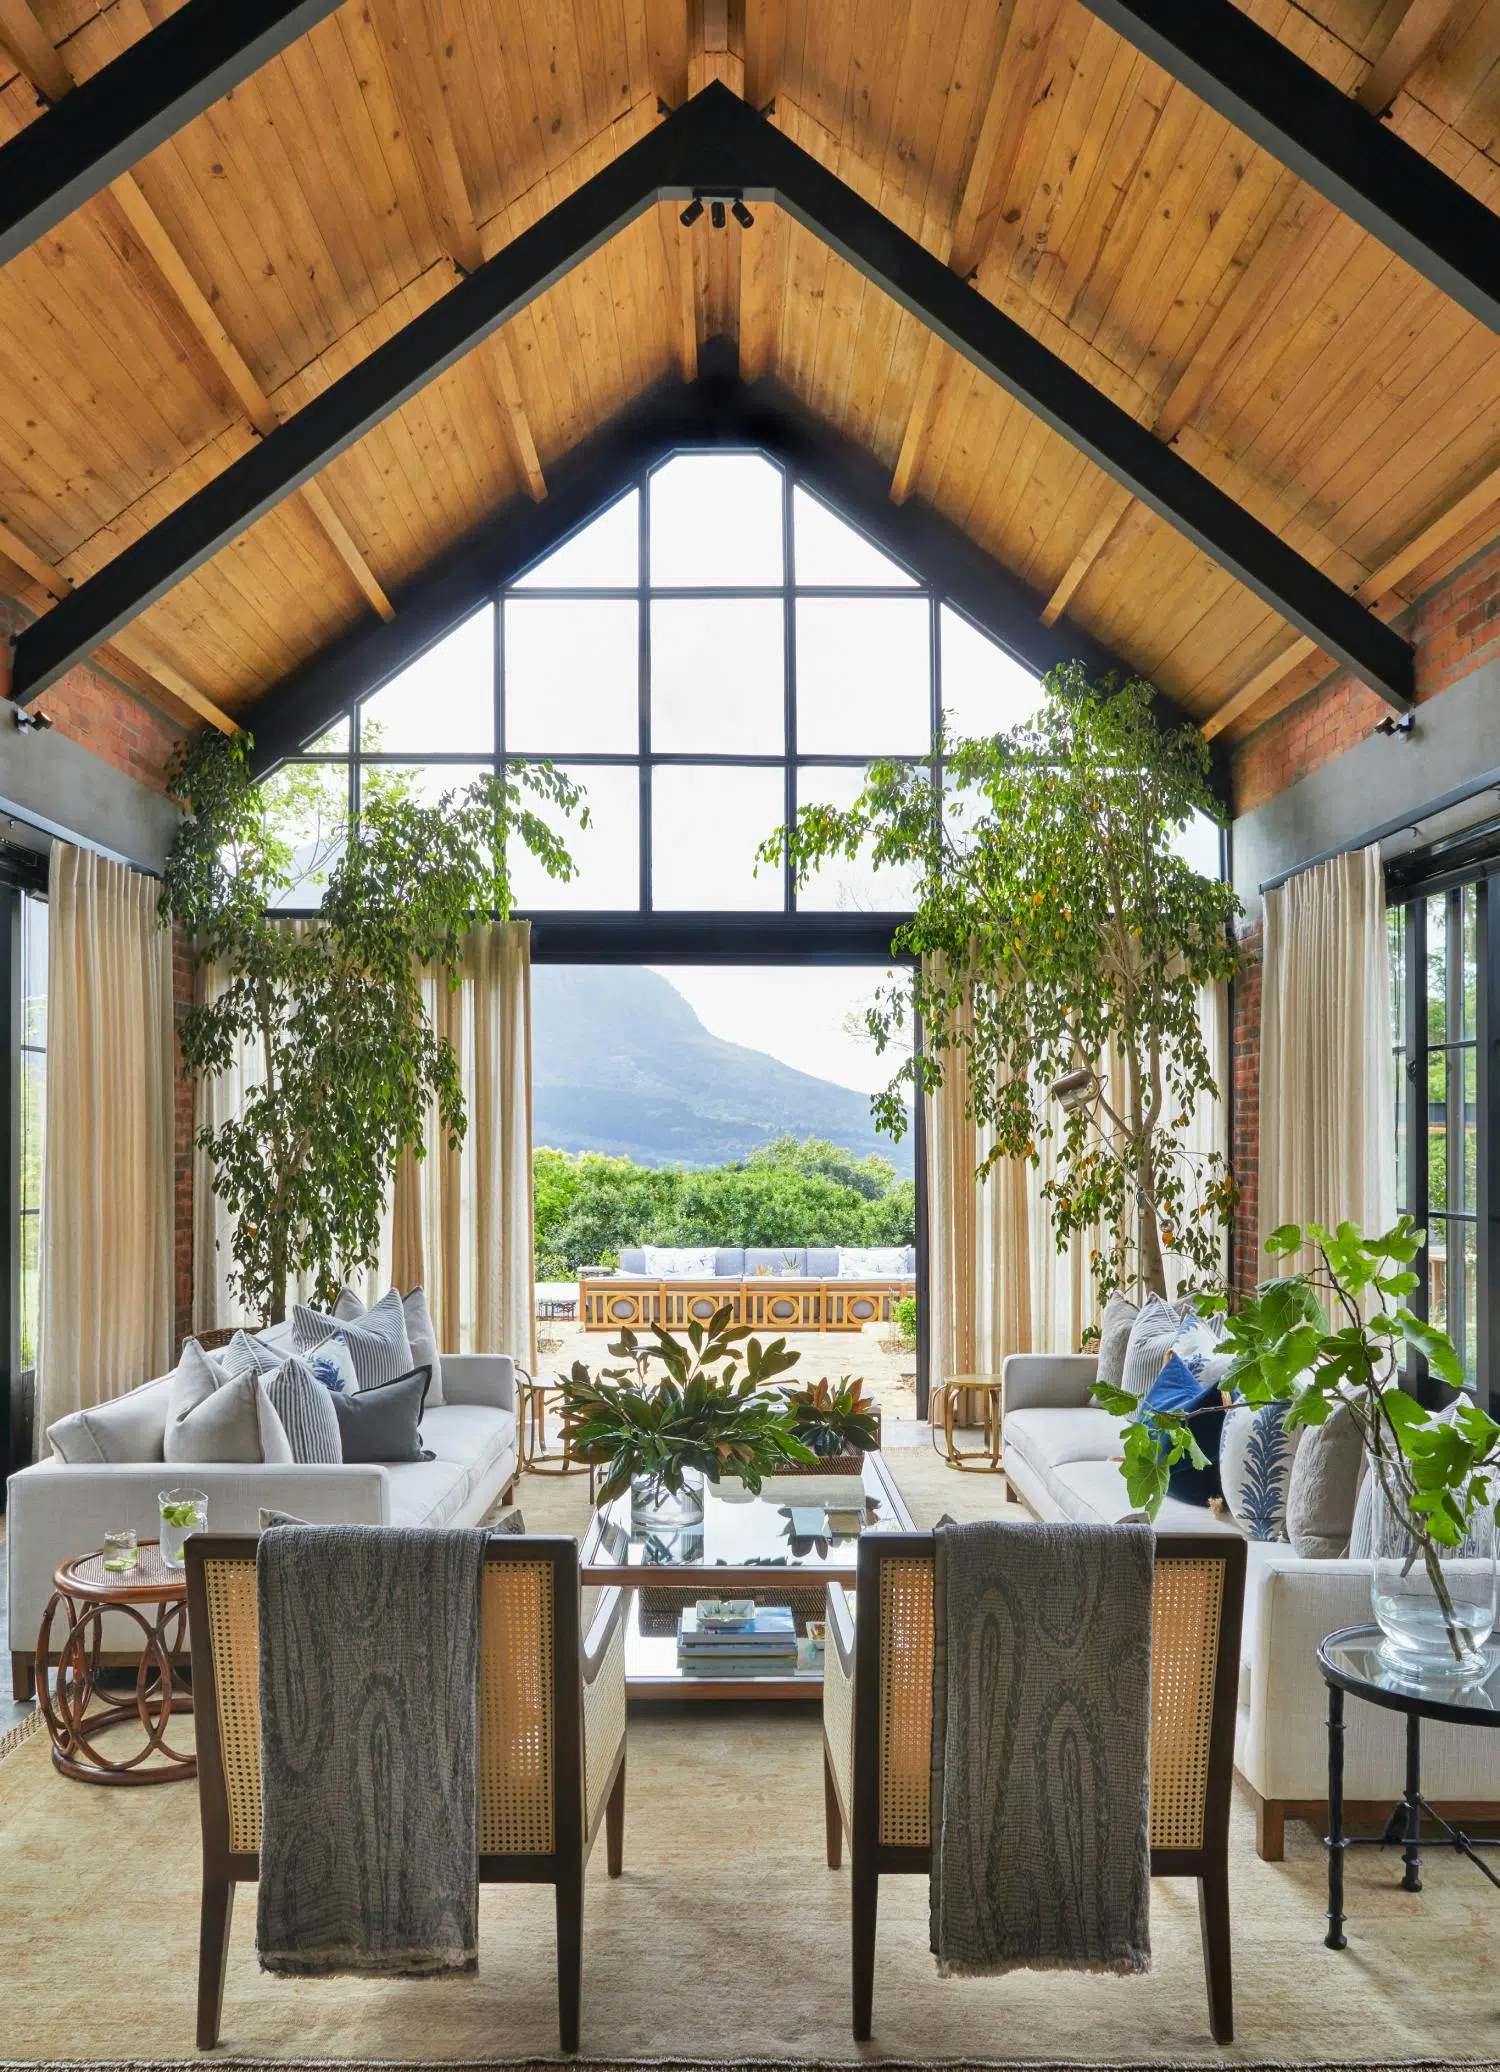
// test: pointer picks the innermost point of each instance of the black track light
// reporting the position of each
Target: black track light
(691, 213)
(741, 214)
(716, 214)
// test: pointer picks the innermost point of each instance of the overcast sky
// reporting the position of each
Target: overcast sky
(798, 1015)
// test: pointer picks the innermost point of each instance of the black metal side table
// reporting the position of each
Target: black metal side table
(1351, 1661)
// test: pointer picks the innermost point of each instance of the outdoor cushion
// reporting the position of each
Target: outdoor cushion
(632, 1259)
(774, 1259)
(130, 1428)
(729, 1262)
(871, 1262)
(680, 1262)
(822, 1262)
(1047, 1438)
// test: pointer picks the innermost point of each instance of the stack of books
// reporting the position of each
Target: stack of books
(719, 1639)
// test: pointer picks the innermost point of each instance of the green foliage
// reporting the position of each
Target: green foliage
(872, 1176)
(831, 1420)
(588, 1207)
(704, 1414)
(1054, 922)
(1328, 1337)
(904, 1316)
(349, 1060)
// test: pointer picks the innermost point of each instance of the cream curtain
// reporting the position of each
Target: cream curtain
(997, 1283)
(463, 1221)
(107, 1181)
(1327, 1143)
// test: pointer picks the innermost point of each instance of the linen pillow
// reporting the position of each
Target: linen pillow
(679, 1262)
(131, 1427)
(332, 1364)
(378, 1342)
(383, 1423)
(1324, 1486)
(1150, 1341)
(509, 1521)
(247, 1354)
(871, 1262)
(1255, 1465)
(1120, 1314)
(420, 1335)
(1178, 1388)
(1362, 1531)
(305, 1408)
(214, 1416)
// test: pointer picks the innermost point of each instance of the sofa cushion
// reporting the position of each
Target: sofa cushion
(383, 1424)
(822, 1262)
(632, 1259)
(1177, 1389)
(427, 1492)
(306, 1410)
(872, 1262)
(680, 1262)
(332, 1365)
(214, 1416)
(729, 1265)
(775, 1259)
(1150, 1337)
(420, 1335)
(1120, 1314)
(1324, 1488)
(131, 1427)
(1090, 1490)
(1255, 1466)
(470, 1435)
(378, 1340)
(1047, 1438)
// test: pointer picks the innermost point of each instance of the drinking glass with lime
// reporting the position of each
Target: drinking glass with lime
(182, 1511)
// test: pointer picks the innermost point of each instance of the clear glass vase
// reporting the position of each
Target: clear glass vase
(1435, 1605)
(655, 1508)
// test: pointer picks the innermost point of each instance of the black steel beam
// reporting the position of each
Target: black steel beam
(1336, 146)
(713, 144)
(111, 121)
(712, 938)
(714, 411)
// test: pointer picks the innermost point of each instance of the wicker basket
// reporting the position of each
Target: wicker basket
(829, 1464)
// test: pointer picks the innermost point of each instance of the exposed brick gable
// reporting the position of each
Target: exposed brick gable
(103, 717)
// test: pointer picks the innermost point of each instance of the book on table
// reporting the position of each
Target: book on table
(769, 1636)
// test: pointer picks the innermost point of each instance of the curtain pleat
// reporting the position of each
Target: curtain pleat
(107, 1187)
(1327, 1140)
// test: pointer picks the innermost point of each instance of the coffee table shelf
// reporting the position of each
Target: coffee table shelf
(745, 1546)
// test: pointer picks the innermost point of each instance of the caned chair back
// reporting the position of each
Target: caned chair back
(1196, 1599)
(534, 1705)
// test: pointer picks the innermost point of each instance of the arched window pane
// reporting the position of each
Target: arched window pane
(716, 520)
(863, 676)
(826, 550)
(572, 675)
(706, 824)
(444, 703)
(607, 852)
(603, 555)
(848, 885)
(718, 676)
(985, 691)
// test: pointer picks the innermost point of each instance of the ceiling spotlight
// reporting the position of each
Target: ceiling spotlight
(1074, 1090)
(691, 213)
(31, 722)
(741, 214)
(1396, 724)
(716, 214)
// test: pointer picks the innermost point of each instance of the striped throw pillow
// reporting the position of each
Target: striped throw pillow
(378, 1343)
(306, 1411)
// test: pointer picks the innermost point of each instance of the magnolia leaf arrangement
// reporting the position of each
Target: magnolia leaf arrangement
(711, 1411)
(1329, 1337)
(833, 1420)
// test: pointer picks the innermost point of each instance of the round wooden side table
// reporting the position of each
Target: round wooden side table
(537, 1457)
(76, 1709)
(983, 1459)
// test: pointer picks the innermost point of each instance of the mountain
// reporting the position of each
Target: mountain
(621, 1063)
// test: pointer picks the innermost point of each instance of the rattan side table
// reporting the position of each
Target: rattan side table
(983, 1459)
(537, 1457)
(76, 1710)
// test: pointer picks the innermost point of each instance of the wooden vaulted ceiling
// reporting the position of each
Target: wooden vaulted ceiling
(278, 238)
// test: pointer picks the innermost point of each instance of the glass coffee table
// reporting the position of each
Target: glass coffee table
(784, 1547)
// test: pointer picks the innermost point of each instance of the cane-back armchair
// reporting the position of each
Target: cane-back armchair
(877, 1733)
(551, 1738)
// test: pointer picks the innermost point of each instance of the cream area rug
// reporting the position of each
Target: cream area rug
(727, 1940)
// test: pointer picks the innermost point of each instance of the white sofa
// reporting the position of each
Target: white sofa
(56, 1509)
(1060, 1455)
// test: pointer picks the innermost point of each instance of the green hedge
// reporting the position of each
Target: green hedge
(808, 1192)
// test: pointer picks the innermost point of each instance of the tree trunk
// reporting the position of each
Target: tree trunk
(1153, 1270)
(276, 1301)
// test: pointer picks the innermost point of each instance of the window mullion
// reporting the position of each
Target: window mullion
(1487, 1105)
(1417, 1115)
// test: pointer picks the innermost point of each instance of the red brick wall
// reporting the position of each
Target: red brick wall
(103, 717)
(1244, 1081)
(1454, 630)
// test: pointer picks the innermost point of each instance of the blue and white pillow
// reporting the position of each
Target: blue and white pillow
(378, 1342)
(1198, 1345)
(1178, 1388)
(1255, 1468)
(332, 1364)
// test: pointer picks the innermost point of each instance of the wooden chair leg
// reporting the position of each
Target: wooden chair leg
(569, 1953)
(1213, 1917)
(833, 1819)
(614, 1825)
(213, 1957)
(22, 1672)
(866, 1885)
(1270, 1829)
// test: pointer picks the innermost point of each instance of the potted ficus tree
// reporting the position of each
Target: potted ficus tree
(709, 1415)
(1329, 1338)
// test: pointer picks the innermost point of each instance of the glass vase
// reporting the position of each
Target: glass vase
(1435, 1605)
(655, 1508)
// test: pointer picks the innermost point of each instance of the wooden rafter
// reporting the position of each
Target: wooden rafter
(416, 80)
(1411, 39)
(50, 75)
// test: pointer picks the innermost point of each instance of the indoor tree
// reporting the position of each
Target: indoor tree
(349, 1062)
(1055, 924)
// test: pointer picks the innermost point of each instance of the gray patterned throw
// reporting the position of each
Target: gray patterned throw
(369, 1698)
(1041, 1742)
